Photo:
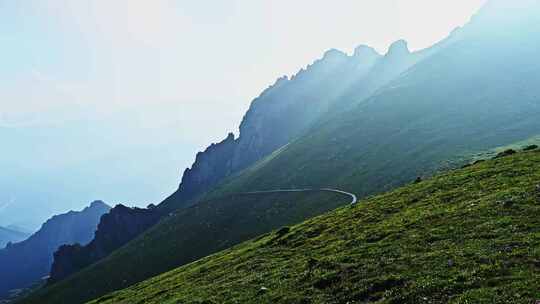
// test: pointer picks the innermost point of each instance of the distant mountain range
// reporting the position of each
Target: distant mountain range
(11, 235)
(364, 123)
(27, 262)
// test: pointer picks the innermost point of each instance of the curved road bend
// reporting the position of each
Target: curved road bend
(353, 197)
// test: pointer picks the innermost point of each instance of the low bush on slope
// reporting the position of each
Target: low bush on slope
(468, 236)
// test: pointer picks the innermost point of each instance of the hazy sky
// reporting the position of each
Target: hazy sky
(196, 58)
(180, 72)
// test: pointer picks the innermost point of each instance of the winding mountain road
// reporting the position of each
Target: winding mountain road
(353, 197)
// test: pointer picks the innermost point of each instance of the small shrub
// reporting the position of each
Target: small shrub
(506, 153)
(283, 231)
(530, 148)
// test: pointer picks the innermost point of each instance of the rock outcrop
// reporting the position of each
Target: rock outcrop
(115, 229)
(210, 167)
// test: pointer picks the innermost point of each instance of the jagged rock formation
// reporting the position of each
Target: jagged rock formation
(115, 229)
(24, 263)
(210, 167)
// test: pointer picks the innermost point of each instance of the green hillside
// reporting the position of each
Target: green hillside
(468, 236)
(188, 235)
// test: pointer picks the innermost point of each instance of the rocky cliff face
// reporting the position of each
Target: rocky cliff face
(24, 263)
(290, 107)
(210, 167)
(280, 114)
(115, 229)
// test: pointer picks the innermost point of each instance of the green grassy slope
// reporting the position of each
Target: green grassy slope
(468, 236)
(187, 235)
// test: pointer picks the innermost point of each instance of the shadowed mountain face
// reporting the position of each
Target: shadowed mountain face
(115, 229)
(11, 235)
(29, 261)
(367, 123)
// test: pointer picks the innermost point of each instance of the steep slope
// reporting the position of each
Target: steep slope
(8, 235)
(24, 263)
(468, 236)
(187, 235)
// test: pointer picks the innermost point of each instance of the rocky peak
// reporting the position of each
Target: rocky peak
(334, 54)
(365, 53)
(230, 137)
(98, 204)
(331, 59)
(398, 49)
(57, 221)
(281, 80)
